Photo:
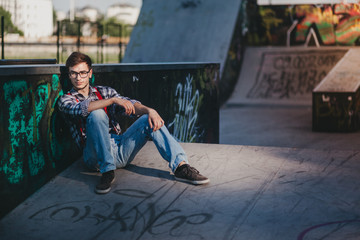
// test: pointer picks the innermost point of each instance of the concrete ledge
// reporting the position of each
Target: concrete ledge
(336, 100)
(255, 193)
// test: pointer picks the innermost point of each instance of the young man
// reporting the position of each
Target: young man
(92, 114)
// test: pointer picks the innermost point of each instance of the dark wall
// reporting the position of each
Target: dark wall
(35, 142)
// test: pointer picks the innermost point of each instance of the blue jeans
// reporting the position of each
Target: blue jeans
(104, 151)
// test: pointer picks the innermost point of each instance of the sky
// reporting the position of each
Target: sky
(102, 5)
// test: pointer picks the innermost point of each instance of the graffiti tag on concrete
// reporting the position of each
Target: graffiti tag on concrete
(291, 74)
(145, 216)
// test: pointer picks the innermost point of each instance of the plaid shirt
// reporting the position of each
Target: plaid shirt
(74, 107)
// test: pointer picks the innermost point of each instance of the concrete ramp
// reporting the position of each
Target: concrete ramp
(344, 77)
(183, 31)
(285, 76)
(255, 193)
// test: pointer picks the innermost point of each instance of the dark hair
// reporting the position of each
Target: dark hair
(76, 58)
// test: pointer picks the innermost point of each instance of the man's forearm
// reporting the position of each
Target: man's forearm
(95, 105)
(141, 109)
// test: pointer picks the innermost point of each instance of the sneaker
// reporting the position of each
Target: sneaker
(188, 174)
(106, 180)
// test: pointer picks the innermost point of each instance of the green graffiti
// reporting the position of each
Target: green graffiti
(13, 169)
(55, 147)
(92, 80)
(26, 109)
(55, 83)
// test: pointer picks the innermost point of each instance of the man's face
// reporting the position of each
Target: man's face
(79, 76)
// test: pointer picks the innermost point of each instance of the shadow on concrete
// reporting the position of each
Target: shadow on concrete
(150, 172)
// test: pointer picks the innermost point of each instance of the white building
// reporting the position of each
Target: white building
(33, 17)
(125, 13)
(89, 13)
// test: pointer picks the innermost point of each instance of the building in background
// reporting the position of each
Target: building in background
(33, 17)
(124, 13)
(89, 13)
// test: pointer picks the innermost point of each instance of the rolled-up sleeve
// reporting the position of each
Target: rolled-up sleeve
(70, 107)
(84, 106)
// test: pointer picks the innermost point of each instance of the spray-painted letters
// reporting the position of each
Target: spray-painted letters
(292, 74)
(188, 99)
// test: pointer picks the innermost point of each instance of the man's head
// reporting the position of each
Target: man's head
(76, 58)
(79, 67)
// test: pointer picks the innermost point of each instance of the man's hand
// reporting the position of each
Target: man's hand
(127, 105)
(155, 121)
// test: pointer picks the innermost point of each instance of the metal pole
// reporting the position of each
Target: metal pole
(101, 44)
(78, 40)
(120, 43)
(2, 37)
(106, 33)
(58, 42)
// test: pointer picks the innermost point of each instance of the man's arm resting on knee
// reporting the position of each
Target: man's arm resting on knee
(155, 121)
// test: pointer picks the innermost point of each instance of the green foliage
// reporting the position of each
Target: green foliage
(9, 26)
(115, 28)
(69, 28)
(54, 16)
(111, 27)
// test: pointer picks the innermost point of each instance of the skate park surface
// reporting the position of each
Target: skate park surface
(282, 181)
(271, 177)
(255, 192)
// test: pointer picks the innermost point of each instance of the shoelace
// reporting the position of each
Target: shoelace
(191, 169)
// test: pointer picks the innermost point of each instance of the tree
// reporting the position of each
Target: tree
(9, 26)
(112, 28)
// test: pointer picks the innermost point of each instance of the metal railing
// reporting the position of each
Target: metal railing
(109, 49)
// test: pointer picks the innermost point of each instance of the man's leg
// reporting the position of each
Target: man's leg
(138, 134)
(97, 152)
(135, 137)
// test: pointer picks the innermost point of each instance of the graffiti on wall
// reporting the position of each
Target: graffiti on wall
(186, 113)
(329, 24)
(292, 74)
(36, 143)
(336, 24)
(30, 108)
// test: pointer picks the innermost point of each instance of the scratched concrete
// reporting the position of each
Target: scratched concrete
(255, 193)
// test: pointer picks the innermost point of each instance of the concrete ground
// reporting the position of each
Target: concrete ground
(279, 126)
(271, 178)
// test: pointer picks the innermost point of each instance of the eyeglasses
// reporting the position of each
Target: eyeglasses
(83, 74)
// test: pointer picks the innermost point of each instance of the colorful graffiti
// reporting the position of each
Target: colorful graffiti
(336, 24)
(329, 24)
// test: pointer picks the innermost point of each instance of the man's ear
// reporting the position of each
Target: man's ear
(90, 73)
